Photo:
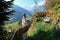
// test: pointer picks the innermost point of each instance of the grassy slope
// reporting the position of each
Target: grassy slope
(44, 31)
(12, 26)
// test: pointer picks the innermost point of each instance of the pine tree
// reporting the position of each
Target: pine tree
(5, 11)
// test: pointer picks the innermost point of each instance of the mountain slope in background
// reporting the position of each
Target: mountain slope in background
(19, 11)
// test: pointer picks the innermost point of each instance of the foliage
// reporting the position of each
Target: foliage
(40, 14)
(43, 30)
(12, 27)
(46, 35)
(4, 13)
(53, 7)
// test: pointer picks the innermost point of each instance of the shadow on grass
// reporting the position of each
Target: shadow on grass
(46, 35)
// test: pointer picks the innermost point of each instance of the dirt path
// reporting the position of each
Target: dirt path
(19, 34)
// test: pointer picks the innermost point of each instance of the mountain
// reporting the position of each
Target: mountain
(19, 11)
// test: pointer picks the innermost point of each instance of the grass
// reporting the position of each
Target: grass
(12, 26)
(44, 31)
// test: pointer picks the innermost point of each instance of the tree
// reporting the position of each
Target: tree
(5, 11)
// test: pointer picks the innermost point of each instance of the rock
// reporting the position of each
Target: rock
(47, 19)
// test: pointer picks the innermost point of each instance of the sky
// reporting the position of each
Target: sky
(27, 4)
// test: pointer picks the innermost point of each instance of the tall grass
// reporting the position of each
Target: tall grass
(45, 31)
